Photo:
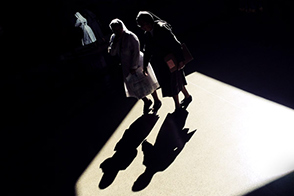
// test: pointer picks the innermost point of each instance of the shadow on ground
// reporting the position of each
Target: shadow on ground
(170, 141)
(52, 136)
(126, 148)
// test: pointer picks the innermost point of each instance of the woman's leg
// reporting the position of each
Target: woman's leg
(188, 98)
(176, 100)
(155, 96)
(147, 104)
(185, 92)
(145, 99)
(157, 102)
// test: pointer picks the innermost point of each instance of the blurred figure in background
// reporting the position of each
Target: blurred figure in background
(88, 35)
(93, 22)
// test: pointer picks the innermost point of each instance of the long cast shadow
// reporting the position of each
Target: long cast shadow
(170, 141)
(126, 148)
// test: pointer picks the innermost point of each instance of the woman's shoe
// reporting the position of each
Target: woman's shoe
(186, 102)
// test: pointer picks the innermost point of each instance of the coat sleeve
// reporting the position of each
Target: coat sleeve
(147, 52)
(171, 43)
(135, 51)
(113, 47)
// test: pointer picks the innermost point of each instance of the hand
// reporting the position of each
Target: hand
(145, 71)
(181, 65)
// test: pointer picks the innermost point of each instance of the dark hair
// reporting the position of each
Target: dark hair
(149, 17)
(144, 16)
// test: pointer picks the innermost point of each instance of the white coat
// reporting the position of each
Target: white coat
(128, 49)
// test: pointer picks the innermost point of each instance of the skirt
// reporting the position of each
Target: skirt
(170, 83)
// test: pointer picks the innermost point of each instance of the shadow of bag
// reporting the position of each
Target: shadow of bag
(171, 61)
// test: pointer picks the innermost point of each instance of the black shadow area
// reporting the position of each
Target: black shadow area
(253, 52)
(170, 141)
(78, 141)
(283, 186)
(126, 148)
(50, 140)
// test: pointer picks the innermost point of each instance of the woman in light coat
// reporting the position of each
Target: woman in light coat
(125, 44)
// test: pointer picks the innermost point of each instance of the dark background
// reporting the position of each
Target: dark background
(57, 111)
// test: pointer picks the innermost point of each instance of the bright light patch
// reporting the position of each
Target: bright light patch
(242, 140)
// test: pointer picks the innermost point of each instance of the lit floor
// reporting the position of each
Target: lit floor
(242, 142)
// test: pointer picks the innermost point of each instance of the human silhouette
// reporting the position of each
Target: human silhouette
(94, 23)
(88, 34)
(125, 44)
(159, 42)
(170, 141)
(126, 148)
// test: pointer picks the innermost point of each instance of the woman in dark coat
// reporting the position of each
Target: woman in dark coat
(159, 42)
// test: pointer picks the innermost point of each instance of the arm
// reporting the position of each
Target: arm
(178, 51)
(147, 55)
(174, 46)
(135, 52)
(113, 46)
(170, 44)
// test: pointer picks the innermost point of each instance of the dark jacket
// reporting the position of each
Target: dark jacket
(161, 42)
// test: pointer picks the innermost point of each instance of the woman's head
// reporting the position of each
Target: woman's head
(117, 26)
(145, 20)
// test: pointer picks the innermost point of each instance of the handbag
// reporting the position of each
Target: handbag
(171, 61)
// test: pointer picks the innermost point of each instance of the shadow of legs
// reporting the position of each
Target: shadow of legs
(111, 166)
(126, 148)
(143, 180)
(170, 141)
